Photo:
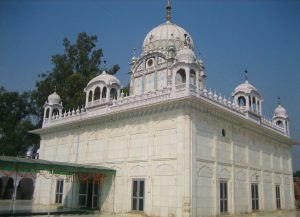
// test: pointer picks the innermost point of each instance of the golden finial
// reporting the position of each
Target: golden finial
(169, 11)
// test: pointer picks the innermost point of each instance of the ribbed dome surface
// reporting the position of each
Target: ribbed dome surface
(54, 98)
(165, 35)
(186, 55)
(106, 78)
(245, 87)
(280, 112)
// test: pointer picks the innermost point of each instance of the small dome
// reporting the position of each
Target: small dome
(54, 98)
(186, 55)
(280, 112)
(245, 87)
(165, 35)
(106, 78)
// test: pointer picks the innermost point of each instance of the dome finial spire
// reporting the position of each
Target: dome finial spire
(246, 75)
(278, 100)
(169, 11)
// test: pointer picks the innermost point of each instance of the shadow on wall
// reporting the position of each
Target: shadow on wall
(87, 194)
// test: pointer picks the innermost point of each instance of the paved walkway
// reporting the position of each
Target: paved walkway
(26, 207)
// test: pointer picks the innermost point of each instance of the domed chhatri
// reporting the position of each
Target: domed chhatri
(280, 117)
(101, 90)
(53, 107)
(167, 35)
(245, 87)
(106, 78)
(248, 97)
(186, 55)
(280, 111)
(54, 98)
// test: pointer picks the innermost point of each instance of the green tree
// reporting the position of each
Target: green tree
(72, 70)
(16, 114)
(297, 174)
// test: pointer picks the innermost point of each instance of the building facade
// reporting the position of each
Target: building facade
(178, 148)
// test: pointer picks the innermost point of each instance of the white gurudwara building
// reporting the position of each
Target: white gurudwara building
(177, 147)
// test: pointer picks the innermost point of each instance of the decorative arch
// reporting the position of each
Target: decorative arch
(192, 77)
(113, 93)
(204, 171)
(254, 103)
(97, 93)
(241, 175)
(164, 169)
(224, 173)
(8, 188)
(241, 101)
(279, 123)
(104, 90)
(47, 112)
(55, 112)
(90, 97)
(138, 170)
(25, 189)
(180, 76)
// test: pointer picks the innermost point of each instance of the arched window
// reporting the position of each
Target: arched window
(180, 76)
(97, 93)
(279, 123)
(192, 77)
(90, 96)
(25, 189)
(47, 113)
(113, 93)
(254, 103)
(104, 92)
(242, 101)
(55, 112)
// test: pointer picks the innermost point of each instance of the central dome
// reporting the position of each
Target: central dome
(165, 35)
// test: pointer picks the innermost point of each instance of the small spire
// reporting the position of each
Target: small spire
(134, 52)
(55, 88)
(104, 67)
(246, 75)
(278, 101)
(168, 11)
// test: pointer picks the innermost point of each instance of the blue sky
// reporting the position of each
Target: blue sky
(233, 35)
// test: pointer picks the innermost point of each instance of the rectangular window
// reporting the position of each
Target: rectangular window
(89, 194)
(255, 197)
(59, 191)
(83, 194)
(138, 189)
(278, 203)
(223, 197)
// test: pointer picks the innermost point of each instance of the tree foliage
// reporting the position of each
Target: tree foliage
(72, 70)
(297, 174)
(16, 112)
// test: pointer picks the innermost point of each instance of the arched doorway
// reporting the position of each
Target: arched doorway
(25, 189)
(8, 188)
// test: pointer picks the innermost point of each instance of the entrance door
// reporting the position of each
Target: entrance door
(89, 194)
(138, 190)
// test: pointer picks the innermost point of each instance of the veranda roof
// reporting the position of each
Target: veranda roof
(9, 163)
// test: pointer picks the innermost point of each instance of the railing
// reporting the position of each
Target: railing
(267, 122)
(154, 96)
